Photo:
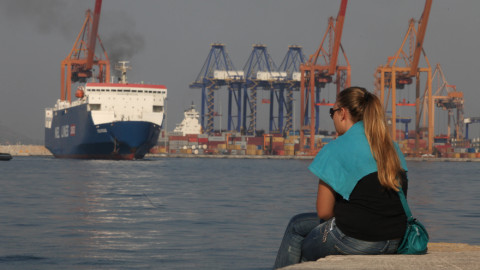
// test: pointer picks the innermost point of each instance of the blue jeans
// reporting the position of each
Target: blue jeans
(308, 238)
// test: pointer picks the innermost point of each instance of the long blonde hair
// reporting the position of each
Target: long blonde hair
(365, 106)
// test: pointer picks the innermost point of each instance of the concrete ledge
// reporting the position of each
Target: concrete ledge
(439, 256)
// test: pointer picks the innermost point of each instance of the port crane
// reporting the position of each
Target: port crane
(393, 76)
(260, 73)
(282, 85)
(79, 65)
(448, 98)
(218, 71)
(317, 72)
(291, 66)
(468, 121)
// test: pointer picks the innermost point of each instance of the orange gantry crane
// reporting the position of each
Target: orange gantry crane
(393, 76)
(448, 99)
(79, 65)
(317, 72)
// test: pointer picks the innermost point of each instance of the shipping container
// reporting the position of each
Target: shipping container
(251, 147)
(255, 140)
(277, 146)
(278, 139)
(289, 152)
(289, 147)
(216, 139)
(422, 143)
(178, 138)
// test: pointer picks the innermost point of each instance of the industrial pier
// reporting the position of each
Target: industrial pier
(236, 144)
(307, 80)
(439, 256)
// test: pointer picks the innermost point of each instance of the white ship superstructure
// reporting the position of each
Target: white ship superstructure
(190, 123)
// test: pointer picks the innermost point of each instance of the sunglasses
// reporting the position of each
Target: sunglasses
(332, 111)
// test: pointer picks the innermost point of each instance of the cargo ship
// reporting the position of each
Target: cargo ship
(107, 121)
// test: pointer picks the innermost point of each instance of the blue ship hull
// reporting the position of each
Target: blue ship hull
(74, 135)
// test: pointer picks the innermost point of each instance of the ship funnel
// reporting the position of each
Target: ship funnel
(123, 66)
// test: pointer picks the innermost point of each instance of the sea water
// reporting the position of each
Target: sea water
(189, 213)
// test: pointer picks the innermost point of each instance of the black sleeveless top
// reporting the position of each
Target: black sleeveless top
(373, 213)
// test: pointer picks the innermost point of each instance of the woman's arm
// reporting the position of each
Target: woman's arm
(325, 201)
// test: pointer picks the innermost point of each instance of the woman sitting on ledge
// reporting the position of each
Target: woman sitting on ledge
(358, 208)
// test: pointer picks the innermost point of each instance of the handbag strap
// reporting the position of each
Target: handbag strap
(404, 203)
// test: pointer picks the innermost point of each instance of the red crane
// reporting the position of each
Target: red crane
(393, 76)
(448, 99)
(78, 66)
(315, 76)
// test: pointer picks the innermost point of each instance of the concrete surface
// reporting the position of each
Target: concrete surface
(440, 256)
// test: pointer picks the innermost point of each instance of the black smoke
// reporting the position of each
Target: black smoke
(45, 16)
(116, 30)
(122, 41)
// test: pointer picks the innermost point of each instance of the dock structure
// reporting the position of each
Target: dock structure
(259, 73)
(218, 71)
(291, 67)
(439, 256)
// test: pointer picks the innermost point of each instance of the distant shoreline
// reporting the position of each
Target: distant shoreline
(40, 150)
(300, 157)
(25, 150)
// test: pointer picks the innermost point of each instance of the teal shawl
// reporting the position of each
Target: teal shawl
(344, 161)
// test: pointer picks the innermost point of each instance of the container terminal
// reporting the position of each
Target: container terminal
(187, 139)
(412, 92)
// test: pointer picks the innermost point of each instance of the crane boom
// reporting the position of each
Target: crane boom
(422, 28)
(79, 65)
(93, 34)
(393, 76)
(338, 37)
(314, 77)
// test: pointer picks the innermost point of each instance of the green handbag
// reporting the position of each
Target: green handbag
(416, 237)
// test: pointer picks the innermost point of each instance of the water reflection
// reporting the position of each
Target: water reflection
(192, 213)
(445, 197)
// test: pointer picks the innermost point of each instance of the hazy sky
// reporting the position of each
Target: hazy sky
(168, 41)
